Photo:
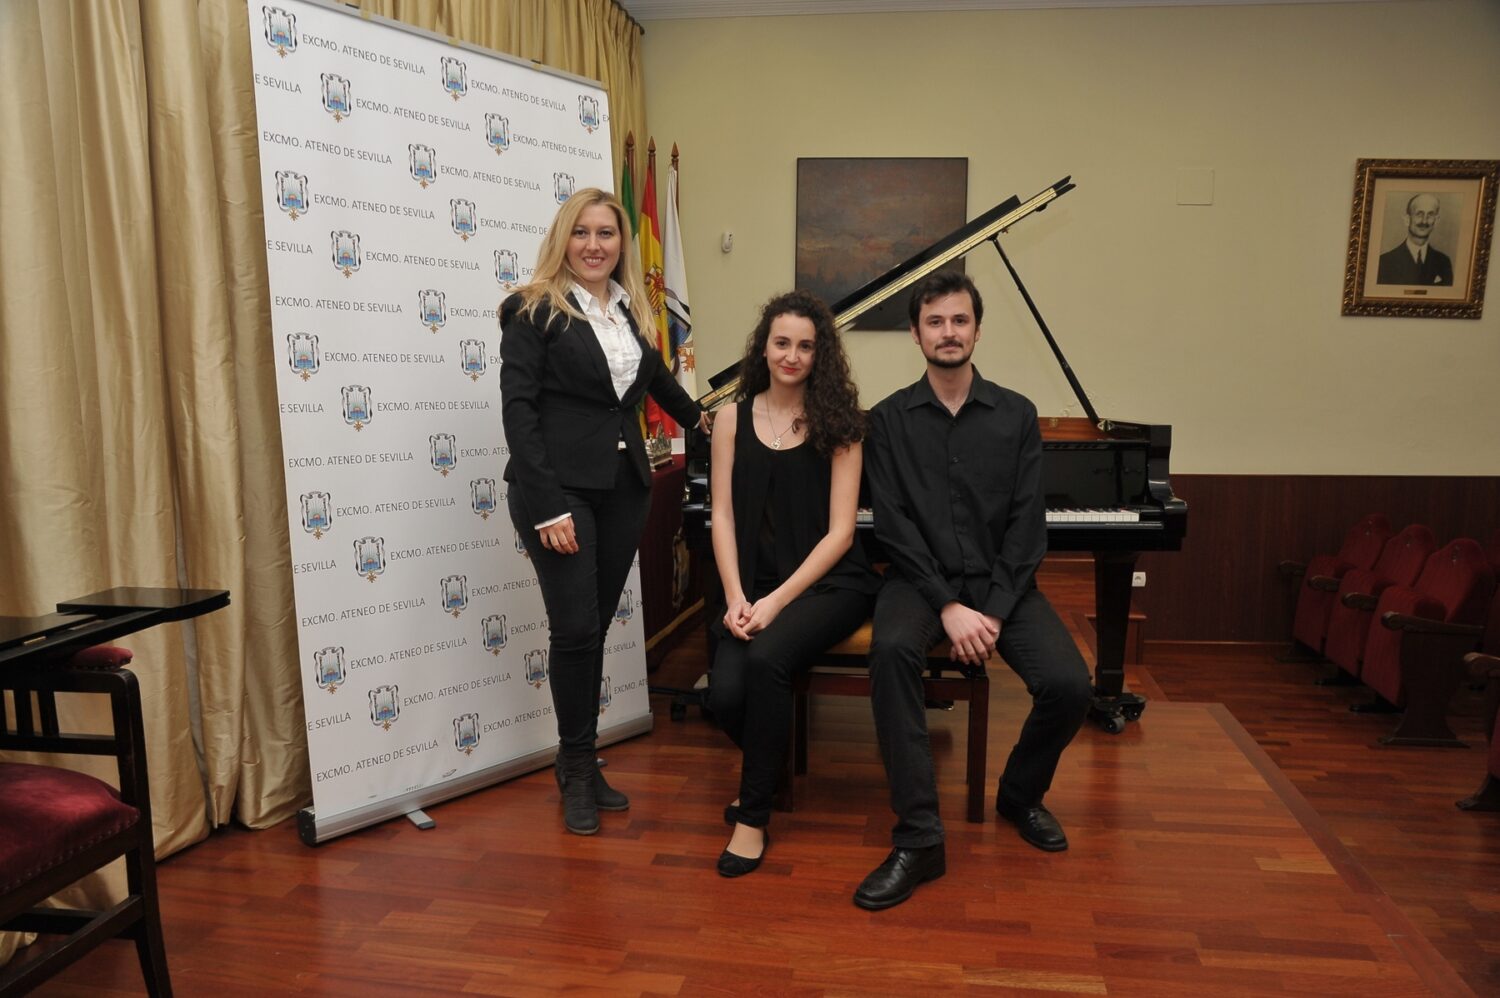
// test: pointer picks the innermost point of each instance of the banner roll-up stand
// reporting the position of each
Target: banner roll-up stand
(408, 182)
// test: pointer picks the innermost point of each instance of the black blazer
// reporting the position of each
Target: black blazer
(562, 418)
(1397, 267)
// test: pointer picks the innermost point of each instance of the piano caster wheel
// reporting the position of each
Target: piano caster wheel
(678, 711)
(1133, 713)
(1114, 724)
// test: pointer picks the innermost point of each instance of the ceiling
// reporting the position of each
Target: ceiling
(658, 10)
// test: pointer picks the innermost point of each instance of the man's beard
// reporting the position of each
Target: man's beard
(936, 359)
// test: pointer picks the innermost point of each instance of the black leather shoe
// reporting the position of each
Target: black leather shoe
(903, 871)
(1036, 825)
(731, 865)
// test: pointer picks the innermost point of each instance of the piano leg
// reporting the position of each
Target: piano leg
(1112, 706)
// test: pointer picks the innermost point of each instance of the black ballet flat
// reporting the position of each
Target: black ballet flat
(731, 865)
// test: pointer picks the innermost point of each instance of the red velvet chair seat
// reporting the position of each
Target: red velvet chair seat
(1382, 668)
(51, 815)
(57, 825)
(1418, 665)
(1362, 546)
(1400, 563)
(1455, 587)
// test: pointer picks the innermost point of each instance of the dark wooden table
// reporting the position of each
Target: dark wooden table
(100, 617)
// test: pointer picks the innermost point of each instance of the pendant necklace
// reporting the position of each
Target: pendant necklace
(776, 443)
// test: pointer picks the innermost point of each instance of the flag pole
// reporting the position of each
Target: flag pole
(629, 196)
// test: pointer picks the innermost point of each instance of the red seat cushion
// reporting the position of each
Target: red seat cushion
(1310, 623)
(1400, 563)
(1382, 666)
(50, 815)
(1455, 586)
(1362, 546)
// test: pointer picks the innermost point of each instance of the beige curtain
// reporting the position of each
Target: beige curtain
(139, 434)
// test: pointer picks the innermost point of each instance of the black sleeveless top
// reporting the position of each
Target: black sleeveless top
(780, 502)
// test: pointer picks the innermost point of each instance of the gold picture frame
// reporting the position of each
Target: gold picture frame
(1419, 237)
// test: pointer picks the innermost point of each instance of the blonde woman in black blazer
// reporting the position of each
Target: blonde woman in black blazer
(574, 367)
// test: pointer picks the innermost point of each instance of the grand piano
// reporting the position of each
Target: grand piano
(1106, 481)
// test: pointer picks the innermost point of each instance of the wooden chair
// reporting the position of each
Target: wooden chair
(842, 671)
(59, 825)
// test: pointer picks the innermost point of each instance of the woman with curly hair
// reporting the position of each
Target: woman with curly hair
(786, 472)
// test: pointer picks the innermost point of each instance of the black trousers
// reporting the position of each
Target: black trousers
(581, 592)
(1036, 646)
(750, 688)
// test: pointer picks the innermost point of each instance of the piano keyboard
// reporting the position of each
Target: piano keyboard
(866, 517)
(1119, 515)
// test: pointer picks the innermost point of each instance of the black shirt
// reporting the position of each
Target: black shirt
(958, 499)
(781, 513)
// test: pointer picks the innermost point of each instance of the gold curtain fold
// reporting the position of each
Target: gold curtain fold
(139, 429)
(86, 436)
(590, 38)
(139, 440)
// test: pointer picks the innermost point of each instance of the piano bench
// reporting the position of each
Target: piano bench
(842, 671)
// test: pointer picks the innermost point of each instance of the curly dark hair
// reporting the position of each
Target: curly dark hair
(831, 400)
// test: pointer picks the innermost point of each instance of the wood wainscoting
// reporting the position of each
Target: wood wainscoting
(1224, 586)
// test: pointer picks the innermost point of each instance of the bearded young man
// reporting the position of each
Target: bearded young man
(954, 467)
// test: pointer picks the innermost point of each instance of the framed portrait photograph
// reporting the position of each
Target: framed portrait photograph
(1419, 237)
(858, 218)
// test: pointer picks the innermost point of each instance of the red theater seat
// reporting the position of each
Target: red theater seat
(1320, 577)
(1399, 564)
(1414, 652)
(60, 825)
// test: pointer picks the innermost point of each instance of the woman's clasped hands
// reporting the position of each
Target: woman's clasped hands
(745, 619)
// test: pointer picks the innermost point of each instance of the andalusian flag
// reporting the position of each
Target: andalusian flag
(652, 263)
(679, 313)
(627, 197)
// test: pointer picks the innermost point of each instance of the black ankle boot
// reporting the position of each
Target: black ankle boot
(576, 778)
(606, 797)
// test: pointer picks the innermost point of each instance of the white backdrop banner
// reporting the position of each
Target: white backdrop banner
(408, 182)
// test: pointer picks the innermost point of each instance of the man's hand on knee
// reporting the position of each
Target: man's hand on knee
(971, 634)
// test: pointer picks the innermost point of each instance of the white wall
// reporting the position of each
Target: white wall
(1221, 320)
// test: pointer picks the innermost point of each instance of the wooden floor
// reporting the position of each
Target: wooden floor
(1247, 837)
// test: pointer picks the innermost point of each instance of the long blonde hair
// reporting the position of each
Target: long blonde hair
(552, 278)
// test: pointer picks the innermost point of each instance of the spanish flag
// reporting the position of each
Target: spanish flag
(653, 263)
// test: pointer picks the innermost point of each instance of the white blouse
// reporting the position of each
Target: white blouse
(622, 347)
